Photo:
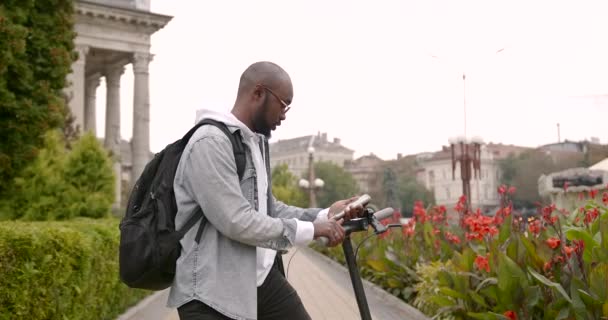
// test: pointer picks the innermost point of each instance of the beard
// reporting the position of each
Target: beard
(259, 121)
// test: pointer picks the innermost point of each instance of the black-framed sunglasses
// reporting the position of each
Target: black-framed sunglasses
(286, 106)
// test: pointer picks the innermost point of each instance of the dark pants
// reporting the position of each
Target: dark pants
(276, 300)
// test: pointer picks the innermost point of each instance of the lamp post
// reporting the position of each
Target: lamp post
(312, 184)
(468, 154)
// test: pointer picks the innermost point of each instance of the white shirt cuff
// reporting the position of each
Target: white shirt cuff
(305, 232)
(322, 215)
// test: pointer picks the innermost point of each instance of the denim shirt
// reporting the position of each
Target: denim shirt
(220, 271)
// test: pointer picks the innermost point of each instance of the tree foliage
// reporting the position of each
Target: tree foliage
(524, 170)
(60, 185)
(339, 184)
(285, 187)
(410, 191)
(36, 52)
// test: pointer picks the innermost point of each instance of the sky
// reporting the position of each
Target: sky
(386, 76)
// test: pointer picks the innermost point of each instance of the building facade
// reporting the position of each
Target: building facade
(295, 152)
(110, 35)
(435, 173)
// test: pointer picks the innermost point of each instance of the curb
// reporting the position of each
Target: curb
(131, 313)
(389, 298)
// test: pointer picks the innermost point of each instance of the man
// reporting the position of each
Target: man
(232, 272)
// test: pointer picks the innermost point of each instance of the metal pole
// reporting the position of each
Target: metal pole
(311, 180)
(464, 102)
(355, 278)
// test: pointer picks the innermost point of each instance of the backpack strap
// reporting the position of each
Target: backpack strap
(238, 149)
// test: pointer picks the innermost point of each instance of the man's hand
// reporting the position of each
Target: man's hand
(330, 229)
(350, 212)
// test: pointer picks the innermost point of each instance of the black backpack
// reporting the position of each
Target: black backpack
(149, 243)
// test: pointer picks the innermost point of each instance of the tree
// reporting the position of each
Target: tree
(59, 185)
(36, 52)
(339, 184)
(391, 189)
(410, 191)
(285, 187)
(524, 170)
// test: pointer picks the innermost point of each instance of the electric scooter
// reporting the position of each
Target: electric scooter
(370, 218)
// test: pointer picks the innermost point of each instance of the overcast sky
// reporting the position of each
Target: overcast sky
(386, 76)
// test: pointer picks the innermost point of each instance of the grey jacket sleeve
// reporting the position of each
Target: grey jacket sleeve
(210, 176)
(281, 210)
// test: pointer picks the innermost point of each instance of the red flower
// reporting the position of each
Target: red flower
(482, 263)
(502, 189)
(512, 190)
(581, 196)
(452, 238)
(592, 193)
(591, 215)
(510, 314)
(605, 198)
(553, 242)
(547, 266)
(579, 247)
(535, 227)
(568, 251)
(546, 213)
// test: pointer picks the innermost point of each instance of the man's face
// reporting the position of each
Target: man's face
(274, 104)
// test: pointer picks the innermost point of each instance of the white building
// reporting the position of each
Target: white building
(110, 35)
(435, 174)
(294, 152)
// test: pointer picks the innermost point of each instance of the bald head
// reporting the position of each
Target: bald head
(264, 95)
(263, 73)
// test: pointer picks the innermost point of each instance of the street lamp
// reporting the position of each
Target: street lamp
(467, 152)
(316, 183)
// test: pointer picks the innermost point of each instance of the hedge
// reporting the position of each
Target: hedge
(62, 270)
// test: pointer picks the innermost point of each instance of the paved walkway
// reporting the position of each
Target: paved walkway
(323, 285)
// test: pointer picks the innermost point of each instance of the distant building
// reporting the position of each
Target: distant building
(564, 188)
(435, 173)
(294, 152)
(367, 171)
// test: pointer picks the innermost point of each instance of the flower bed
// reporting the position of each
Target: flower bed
(505, 266)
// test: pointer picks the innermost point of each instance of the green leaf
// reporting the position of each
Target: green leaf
(563, 313)
(550, 283)
(394, 283)
(477, 298)
(599, 281)
(580, 310)
(442, 301)
(485, 283)
(589, 300)
(505, 230)
(531, 250)
(377, 265)
(533, 295)
(452, 293)
(510, 274)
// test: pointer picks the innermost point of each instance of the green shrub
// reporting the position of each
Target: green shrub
(59, 186)
(88, 172)
(62, 270)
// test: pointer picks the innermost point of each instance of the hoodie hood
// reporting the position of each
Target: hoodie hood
(229, 119)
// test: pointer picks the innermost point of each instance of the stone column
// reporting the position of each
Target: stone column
(112, 135)
(90, 119)
(76, 79)
(140, 145)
